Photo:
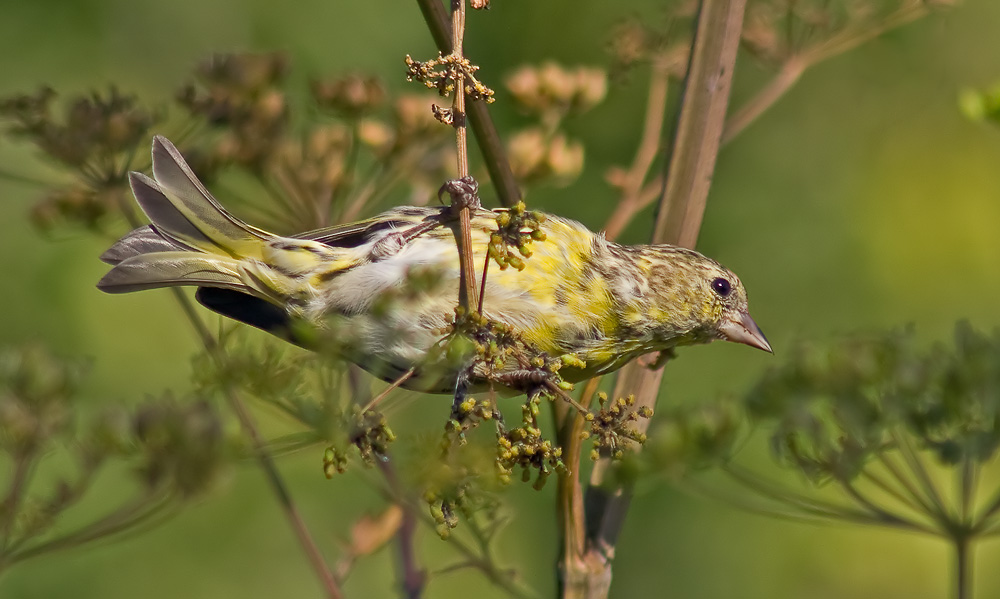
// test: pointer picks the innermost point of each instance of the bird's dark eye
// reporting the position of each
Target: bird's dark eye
(721, 286)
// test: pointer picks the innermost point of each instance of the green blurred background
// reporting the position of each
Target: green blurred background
(862, 200)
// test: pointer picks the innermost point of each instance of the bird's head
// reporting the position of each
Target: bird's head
(708, 297)
(724, 301)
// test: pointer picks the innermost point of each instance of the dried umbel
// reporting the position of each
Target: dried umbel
(552, 87)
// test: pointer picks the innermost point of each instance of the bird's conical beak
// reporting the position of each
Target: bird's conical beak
(744, 330)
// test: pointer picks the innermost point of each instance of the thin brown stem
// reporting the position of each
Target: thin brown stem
(395, 384)
(413, 576)
(467, 283)
(778, 86)
(482, 283)
(795, 65)
(630, 201)
(569, 506)
(484, 563)
(494, 154)
(264, 458)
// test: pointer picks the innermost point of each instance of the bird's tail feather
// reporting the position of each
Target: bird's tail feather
(192, 239)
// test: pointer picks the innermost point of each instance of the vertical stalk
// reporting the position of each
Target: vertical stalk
(487, 138)
(689, 175)
(963, 567)
(467, 295)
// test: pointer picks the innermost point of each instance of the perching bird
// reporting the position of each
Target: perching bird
(578, 294)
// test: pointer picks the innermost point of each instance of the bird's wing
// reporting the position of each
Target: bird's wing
(357, 233)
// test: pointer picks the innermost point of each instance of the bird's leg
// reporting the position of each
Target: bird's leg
(522, 378)
(464, 193)
(461, 393)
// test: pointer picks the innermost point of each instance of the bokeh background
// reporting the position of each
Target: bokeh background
(862, 200)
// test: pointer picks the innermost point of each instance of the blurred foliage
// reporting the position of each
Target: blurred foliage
(174, 452)
(894, 239)
(895, 435)
(981, 105)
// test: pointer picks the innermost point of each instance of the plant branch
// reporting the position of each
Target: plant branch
(786, 77)
(15, 494)
(700, 122)
(689, 173)
(796, 64)
(905, 482)
(123, 519)
(494, 155)
(264, 458)
(570, 507)
(630, 201)
(467, 292)
(919, 470)
(499, 577)
(886, 487)
(413, 576)
(963, 568)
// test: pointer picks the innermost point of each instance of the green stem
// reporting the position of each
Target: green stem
(963, 567)
(919, 470)
(12, 502)
(816, 507)
(907, 484)
(886, 487)
(967, 489)
(122, 520)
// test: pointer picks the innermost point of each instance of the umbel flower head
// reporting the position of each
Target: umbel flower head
(579, 296)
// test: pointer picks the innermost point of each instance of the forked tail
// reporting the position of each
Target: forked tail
(192, 239)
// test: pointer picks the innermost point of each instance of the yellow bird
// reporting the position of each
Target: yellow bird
(578, 294)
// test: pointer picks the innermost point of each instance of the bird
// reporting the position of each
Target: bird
(578, 295)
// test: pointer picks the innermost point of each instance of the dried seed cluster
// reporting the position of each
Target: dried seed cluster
(442, 72)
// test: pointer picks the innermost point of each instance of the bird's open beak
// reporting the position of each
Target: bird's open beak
(745, 330)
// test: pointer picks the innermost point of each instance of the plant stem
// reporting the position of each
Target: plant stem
(963, 567)
(777, 87)
(125, 518)
(467, 293)
(570, 506)
(689, 174)
(649, 145)
(700, 122)
(494, 155)
(264, 458)
(12, 502)
(413, 577)
(791, 71)
(920, 472)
